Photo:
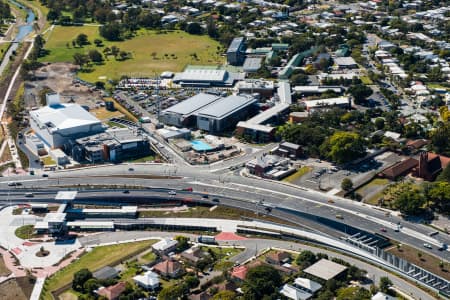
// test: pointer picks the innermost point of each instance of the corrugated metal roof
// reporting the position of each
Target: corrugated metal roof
(192, 104)
(235, 44)
(226, 106)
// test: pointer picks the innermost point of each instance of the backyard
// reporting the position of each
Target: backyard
(152, 52)
(94, 260)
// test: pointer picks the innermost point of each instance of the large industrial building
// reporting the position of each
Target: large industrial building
(225, 113)
(236, 51)
(210, 112)
(113, 145)
(183, 113)
(206, 77)
(57, 123)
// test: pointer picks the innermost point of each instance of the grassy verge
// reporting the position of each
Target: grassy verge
(144, 159)
(93, 260)
(422, 259)
(123, 110)
(152, 52)
(297, 175)
(25, 232)
(3, 49)
(366, 80)
(48, 161)
(220, 212)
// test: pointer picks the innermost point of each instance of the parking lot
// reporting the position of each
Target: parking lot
(326, 176)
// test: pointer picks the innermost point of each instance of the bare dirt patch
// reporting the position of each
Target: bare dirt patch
(61, 78)
(16, 288)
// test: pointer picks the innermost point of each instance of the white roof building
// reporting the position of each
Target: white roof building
(164, 245)
(149, 280)
(382, 296)
(294, 293)
(60, 122)
(307, 284)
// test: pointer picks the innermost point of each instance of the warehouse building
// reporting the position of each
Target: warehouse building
(206, 77)
(113, 145)
(183, 113)
(236, 51)
(224, 113)
(57, 123)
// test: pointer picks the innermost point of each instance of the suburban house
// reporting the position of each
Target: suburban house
(149, 280)
(111, 292)
(193, 255)
(325, 269)
(169, 269)
(164, 246)
(278, 258)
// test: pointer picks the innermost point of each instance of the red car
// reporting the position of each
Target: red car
(383, 229)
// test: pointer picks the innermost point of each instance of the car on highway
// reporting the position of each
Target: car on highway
(172, 193)
(130, 169)
(205, 196)
(126, 192)
(426, 245)
(189, 189)
(11, 183)
(215, 200)
(44, 175)
(382, 229)
(339, 216)
(29, 195)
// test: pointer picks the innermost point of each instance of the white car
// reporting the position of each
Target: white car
(427, 246)
(172, 193)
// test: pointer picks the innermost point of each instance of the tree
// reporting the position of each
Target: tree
(379, 123)
(82, 39)
(299, 79)
(439, 139)
(111, 32)
(95, 56)
(346, 184)
(409, 200)
(80, 59)
(385, 284)
(445, 174)
(439, 193)
(183, 243)
(173, 292)
(115, 51)
(98, 42)
(211, 28)
(360, 92)
(194, 28)
(191, 281)
(53, 15)
(343, 147)
(79, 278)
(261, 281)
(123, 55)
(91, 285)
(305, 259)
(225, 295)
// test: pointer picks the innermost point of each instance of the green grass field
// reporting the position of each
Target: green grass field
(151, 52)
(25, 232)
(94, 260)
(297, 175)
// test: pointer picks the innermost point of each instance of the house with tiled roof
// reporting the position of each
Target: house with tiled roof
(278, 258)
(169, 268)
(112, 292)
(239, 273)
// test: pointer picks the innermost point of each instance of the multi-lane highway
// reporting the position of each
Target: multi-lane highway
(236, 191)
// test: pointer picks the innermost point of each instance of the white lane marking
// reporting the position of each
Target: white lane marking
(388, 224)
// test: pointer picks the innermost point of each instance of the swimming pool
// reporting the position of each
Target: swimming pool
(200, 146)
